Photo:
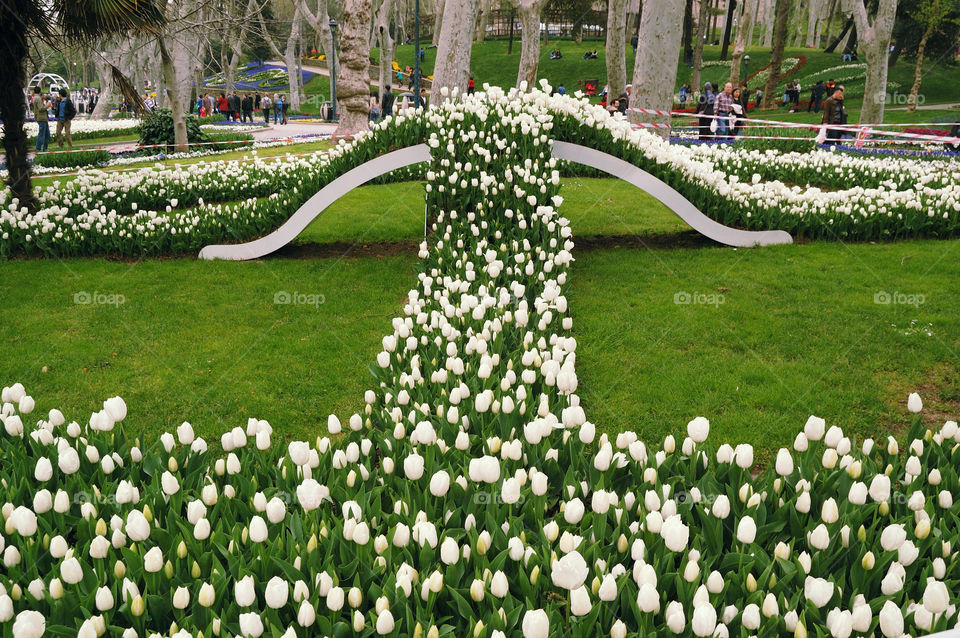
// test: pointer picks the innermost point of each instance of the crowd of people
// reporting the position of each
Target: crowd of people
(383, 106)
(244, 107)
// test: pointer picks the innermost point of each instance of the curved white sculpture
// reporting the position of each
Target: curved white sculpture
(318, 203)
(561, 150)
(54, 80)
(668, 197)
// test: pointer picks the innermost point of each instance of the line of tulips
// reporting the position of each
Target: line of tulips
(470, 495)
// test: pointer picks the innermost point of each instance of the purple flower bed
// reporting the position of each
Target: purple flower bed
(253, 78)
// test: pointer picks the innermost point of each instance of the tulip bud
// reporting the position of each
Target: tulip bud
(868, 561)
(138, 606)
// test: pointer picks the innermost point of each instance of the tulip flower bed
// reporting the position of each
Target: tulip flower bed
(470, 495)
(820, 194)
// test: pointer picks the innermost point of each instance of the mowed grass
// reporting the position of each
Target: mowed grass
(769, 336)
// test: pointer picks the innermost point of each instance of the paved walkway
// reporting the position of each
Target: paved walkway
(928, 107)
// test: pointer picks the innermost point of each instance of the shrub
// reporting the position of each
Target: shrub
(72, 159)
(157, 128)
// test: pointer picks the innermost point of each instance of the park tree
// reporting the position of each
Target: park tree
(529, 12)
(616, 56)
(874, 42)
(727, 26)
(382, 30)
(452, 68)
(702, 18)
(52, 21)
(353, 84)
(776, 55)
(931, 16)
(655, 69)
(744, 31)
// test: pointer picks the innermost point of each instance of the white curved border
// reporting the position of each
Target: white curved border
(318, 203)
(668, 197)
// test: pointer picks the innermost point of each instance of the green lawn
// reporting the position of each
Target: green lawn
(491, 63)
(797, 330)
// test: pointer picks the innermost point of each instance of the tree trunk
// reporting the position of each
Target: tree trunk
(813, 19)
(106, 98)
(687, 31)
(728, 25)
(769, 19)
(438, 21)
(13, 82)
(874, 41)
(776, 55)
(655, 70)
(483, 20)
(827, 31)
(744, 30)
(529, 11)
(453, 53)
(173, 97)
(918, 69)
(616, 53)
(290, 57)
(698, 46)
(386, 43)
(353, 81)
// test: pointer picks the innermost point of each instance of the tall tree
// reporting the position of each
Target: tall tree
(616, 53)
(655, 70)
(727, 26)
(438, 20)
(386, 42)
(930, 15)
(529, 11)
(353, 83)
(81, 20)
(452, 67)
(874, 41)
(702, 18)
(687, 33)
(814, 10)
(744, 31)
(776, 55)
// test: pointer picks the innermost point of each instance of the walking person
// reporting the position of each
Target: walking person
(373, 114)
(705, 108)
(816, 96)
(283, 110)
(39, 107)
(722, 108)
(386, 105)
(471, 86)
(246, 107)
(66, 111)
(737, 113)
(277, 107)
(266, 104)
(835, 114)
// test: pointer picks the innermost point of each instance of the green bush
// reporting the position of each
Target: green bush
(71, 159)
(783, 146)
(157, 128)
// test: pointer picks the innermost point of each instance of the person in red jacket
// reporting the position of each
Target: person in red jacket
(223, 106)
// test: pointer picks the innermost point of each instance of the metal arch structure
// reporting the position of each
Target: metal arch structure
(314, 206)
(51, 79)
(561, 150)
(669, 197)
